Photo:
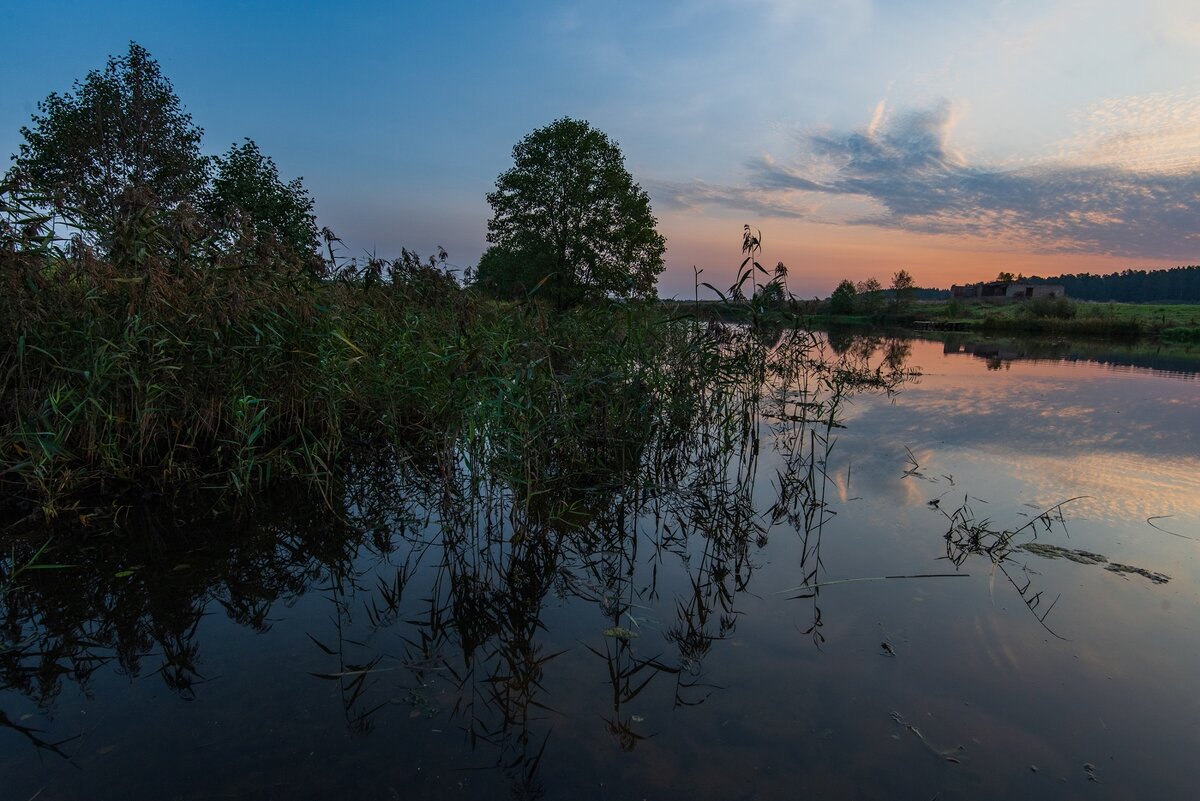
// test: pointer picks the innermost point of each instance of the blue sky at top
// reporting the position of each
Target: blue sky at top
(950, 138)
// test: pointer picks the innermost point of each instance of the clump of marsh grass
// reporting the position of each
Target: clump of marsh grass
(173, 358)
(167, 357)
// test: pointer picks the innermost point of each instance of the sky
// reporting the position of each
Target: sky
(954, 139)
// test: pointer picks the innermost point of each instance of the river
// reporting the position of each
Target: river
(982, 584)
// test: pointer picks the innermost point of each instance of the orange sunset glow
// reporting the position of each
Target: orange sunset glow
(954, 140)
(818, 256)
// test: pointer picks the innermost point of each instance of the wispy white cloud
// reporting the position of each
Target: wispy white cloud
(697, 194)
(1158, 132)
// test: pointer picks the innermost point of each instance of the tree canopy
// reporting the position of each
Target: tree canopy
(904, 287)
(118, 133)
(870, 295)
(246, 183)
(570, 217)
(842, 299)
(1176, 284)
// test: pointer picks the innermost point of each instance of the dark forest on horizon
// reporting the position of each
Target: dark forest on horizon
(1166, 285)
(1173, 285)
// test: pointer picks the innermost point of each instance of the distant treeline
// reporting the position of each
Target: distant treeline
(1178, 284)
(920, 293)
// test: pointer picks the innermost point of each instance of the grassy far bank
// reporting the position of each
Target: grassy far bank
(1167, 322)
(1066, 316)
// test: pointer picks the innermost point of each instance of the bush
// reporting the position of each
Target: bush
(842, 299)
(1181, 334)
(1055, 308)
(955, 309)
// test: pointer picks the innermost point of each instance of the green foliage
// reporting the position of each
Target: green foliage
(1058, 308)
(1181, 334)
(512, 275)
(1086, 325)
(117, 143)
(200, 373)
(955, 309)
(570, 213)
(870, 296)
(246, 190)
(903, 287)
(842, 299)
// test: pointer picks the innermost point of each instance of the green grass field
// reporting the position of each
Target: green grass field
(1176, 322)
(1149, 315)
(1066, 317)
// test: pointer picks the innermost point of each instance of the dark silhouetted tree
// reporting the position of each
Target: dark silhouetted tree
(870, 295)
(1132, 286)
(903, 288)
(570, 215)
(246, 185)
(514, 274)
(119, 138)
(842, 299)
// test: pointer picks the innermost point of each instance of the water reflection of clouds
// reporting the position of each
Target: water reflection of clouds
(1060, 406)
(1048, 429)
(1123, 487)
(979, 418)
(1115, 487)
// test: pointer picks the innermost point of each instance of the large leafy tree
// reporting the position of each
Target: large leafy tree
(870, 295)
(120, 136)
(569, 216)
(842, 299)
(903, 287)
(246, 185)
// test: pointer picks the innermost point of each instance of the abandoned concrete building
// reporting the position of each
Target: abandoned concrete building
(1011, 290)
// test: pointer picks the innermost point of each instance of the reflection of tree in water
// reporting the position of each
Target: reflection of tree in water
(1001, 352)
(626, 487)
(64, 625)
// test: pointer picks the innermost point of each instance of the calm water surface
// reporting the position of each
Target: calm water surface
(731, 635)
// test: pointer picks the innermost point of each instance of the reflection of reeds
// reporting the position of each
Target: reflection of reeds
(969, 536)
(556, 489)
(491, 457)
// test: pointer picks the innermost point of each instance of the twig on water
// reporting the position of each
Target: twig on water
(871, 578)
